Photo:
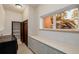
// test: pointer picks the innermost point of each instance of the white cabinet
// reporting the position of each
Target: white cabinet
(41, 48)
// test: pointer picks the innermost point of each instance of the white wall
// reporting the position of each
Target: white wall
(26, 13)
(33, 20)
(10, 16)
(2, 18)
(31, 14)
(66, 37)
(50, 8)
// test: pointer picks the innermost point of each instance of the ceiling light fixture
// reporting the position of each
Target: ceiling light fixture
(18, 5)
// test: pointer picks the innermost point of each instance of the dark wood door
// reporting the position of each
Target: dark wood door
(26, 32)
(22, 32)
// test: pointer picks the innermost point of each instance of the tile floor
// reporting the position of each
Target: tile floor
(23, 49)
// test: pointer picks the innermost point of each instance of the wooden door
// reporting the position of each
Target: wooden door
(22, 32)
(26, 32)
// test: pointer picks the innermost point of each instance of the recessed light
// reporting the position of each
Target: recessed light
(18, 5)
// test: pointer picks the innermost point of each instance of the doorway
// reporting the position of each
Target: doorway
(24, 32)
(20, 30)
(16, 29)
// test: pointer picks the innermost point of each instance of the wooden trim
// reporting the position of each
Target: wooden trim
(16, 21)
(12, 27)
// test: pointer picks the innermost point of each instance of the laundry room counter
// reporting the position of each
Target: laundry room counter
(61, 46)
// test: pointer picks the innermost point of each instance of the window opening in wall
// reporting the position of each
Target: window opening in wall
(48, 22)
(67, 19)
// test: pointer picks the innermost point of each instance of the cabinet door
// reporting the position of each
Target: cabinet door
(51, 50)
(31, 44)
(37, 46)
(41, 48)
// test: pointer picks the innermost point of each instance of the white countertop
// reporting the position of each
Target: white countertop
(5, 38)
(64, 47)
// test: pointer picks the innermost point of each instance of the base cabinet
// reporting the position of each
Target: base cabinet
(40, 48)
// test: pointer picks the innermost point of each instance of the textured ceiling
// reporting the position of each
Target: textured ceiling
(14, 8)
